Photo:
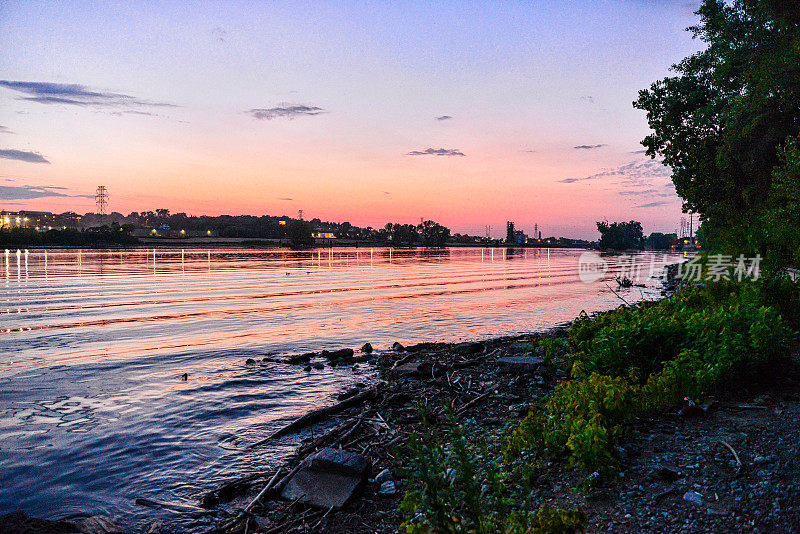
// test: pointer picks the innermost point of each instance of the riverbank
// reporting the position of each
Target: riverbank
(723, 469)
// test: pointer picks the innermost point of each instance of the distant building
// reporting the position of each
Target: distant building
(515, 237)
(25, 219)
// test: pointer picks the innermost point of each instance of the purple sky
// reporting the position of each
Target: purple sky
(468, 114)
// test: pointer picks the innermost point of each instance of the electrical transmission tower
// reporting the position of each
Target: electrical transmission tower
(300, 214)
(101, 198)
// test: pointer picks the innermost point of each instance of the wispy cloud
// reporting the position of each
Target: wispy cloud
(444, 118)
(286, 199)
(3, 129)
(22, 155)
(638, 151)
(285, 111)
(27, 192)
(635, 173)
(437, 152)
(589, 147)
(75, 94)
(653, 204)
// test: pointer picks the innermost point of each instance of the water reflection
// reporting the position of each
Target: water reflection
(93, 344)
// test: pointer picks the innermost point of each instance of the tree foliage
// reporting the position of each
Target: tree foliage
(620, 236)
(725, 121)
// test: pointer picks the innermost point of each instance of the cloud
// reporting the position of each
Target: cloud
(27, 192)
(74, 94)
(635, 173)
(530, 151)
(653, 204)
(639, 152)
(589, 99)
(589, 147)
(22, 155)
(436, 152)
(444, 118)
(386, 193)
(285, 111)
(3, 129)
(287, 199)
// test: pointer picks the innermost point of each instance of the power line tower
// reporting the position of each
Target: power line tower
(488, 231)
(300, 214)
(101, 199)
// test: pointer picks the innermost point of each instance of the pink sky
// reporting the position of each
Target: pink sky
(158, 105)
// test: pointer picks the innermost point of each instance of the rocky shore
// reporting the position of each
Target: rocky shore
(731, 465)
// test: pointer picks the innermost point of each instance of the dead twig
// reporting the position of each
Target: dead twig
(736, 456)
(317, 415)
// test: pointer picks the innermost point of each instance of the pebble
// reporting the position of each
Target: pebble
(694, 498)
(387, 489)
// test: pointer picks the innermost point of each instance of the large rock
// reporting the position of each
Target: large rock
(328, 479)
(338, 356)
(520, 364)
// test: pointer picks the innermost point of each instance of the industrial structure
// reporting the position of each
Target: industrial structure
(101, 198)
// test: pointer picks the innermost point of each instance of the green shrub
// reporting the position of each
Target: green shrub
(626, 362)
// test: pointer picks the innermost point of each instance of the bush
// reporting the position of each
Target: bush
(629, 361)
(460, 487)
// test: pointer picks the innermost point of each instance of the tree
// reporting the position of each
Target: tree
(301, 234)
(433, 234)
(659, 241)
(620, 236)
(723, 122)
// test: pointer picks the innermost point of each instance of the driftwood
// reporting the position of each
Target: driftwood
(736, 457)
(264, 491)
(329, 436)
(473, 402)
(317, 415)
(179, 508)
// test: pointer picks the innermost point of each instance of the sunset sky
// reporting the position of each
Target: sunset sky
(468, 114)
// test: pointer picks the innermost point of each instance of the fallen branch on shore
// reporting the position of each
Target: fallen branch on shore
(318, 415)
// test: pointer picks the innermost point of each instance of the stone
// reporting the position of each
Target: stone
(300, 358)
(668, 473)
(383, 476)
(398, 347)
(694, 498)
(347, 394)
(520, 364)
(387, 489)
(97, 524)
(367, 348)
(329, 479)
(249, 361)
(338, 355)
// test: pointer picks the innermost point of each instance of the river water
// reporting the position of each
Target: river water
(93, 411)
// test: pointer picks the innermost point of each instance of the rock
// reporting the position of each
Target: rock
(156, 527)
(383, 476)
(668, 473)
(694, 498)
(307, 368)
(468, 349)
(318, 366)
(387, 489)
(347, 394)
(520, 364)
(691, 410)
(185, 377)
(249, 361)
(300, 358)
(328, 479)
(398, 347)
(338, 356)
(367, 348)
(97, 524)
